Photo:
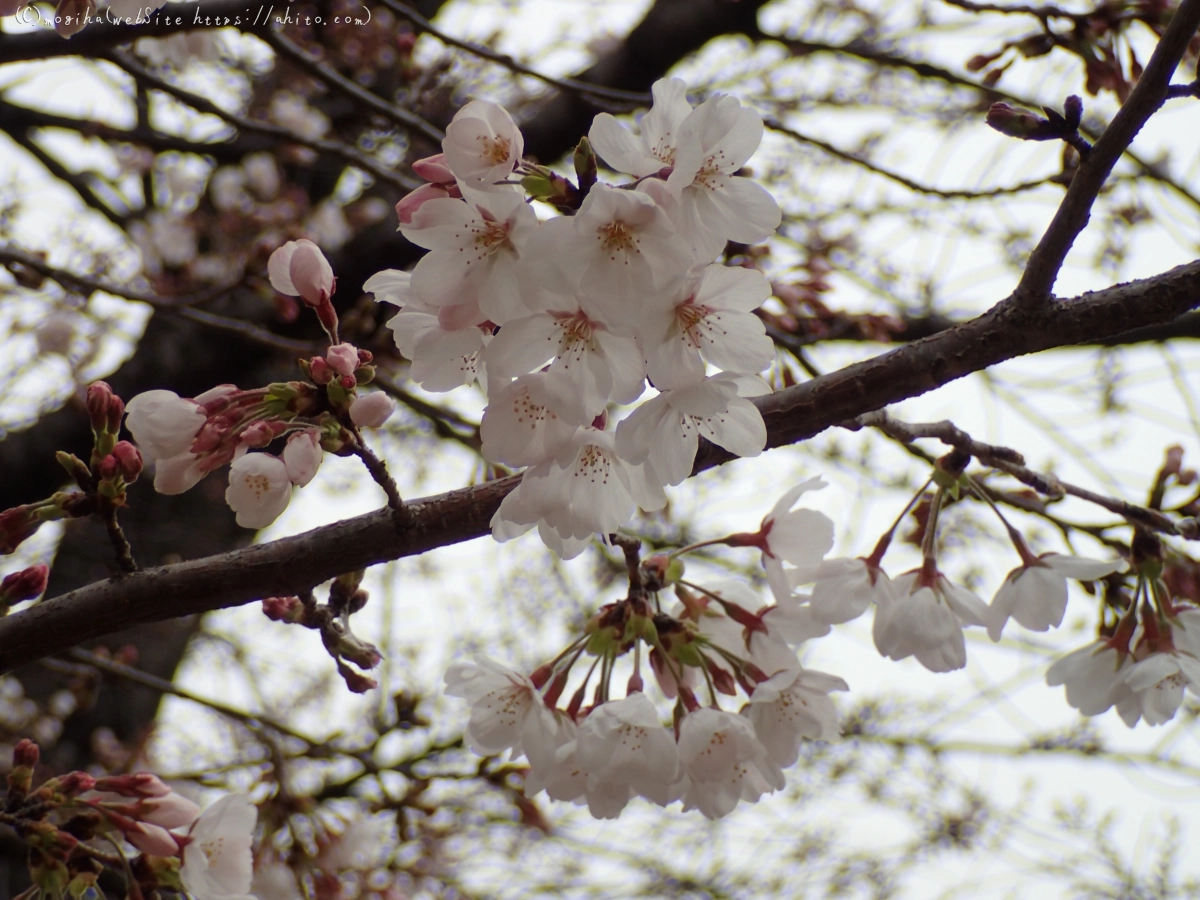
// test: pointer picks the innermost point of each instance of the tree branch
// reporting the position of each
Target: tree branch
(1073, 213)
(295, 564)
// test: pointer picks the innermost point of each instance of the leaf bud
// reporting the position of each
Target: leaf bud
(76, 468)
(1020, 123)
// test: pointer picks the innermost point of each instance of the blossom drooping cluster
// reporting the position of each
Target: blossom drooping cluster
(562, 318)
(186, 438)
(714, 641)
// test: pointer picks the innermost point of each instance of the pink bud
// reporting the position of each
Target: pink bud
(129, 459)
(343, 358)
(108, 468)
(99, 397)
(26, 754)
(434, 168)
(24, 585)
(71, 16)
(16, 525)
(302, 457)
(299, 268)
(320, 371)
(348, 382)
(283, 609)
(257, 435)
(139, 784)
(410, 203)
(75, 783)
(10, 7)
(371, 410)
(172, 811)
(152, 839)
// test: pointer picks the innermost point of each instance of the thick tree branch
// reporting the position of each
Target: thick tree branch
(1073, 213)
(296, 564)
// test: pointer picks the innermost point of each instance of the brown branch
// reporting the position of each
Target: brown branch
(896, 176)
(1072, 215)
(627, 99)
(77, 181)
(333, 148)
(293, 565)
(302, 58)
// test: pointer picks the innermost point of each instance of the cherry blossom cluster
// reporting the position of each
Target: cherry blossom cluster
(561, 318)
(715, 640)
(186, 438)
(205, 854)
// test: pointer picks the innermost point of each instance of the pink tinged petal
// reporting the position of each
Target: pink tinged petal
(624, 360)
(441, 224)
(1082, 568)
(741, 209)
(673, 362)
(170, 811)
(788, 500)
(302, 457)
(177, 474)
(434, 169)
(372, 410)
(259, 489)
(153, 839)
(279, 269)
(1190, 667)
(343, 358)
(777, 578)
(411, 202)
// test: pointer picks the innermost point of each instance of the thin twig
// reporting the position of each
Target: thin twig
(630, 99)
(378, 469)
(120, 544)
(335, 79)
(204, 105)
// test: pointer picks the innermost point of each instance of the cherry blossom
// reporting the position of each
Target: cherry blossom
(442, 359)
(590, 363)
(715, 205)
(654, 148)
(518, 428)
(798, 536)
(924, 617)
(712, 320)
(470, 272)
(163, 423)
(1035, 594)
(843, 588)
(217, 864)
(667, 429)
(501, 702)
(259, 489)
(792, 705)
(1094, 678)
(724, 762)
(622, 743)
(299, 268)
(482, 145)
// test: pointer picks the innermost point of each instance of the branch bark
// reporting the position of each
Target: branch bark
(298, 563)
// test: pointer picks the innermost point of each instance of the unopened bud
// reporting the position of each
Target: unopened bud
(356, 650)
(434, 169)
(1020, 123)
(16, 525)
(722, 679)
(24, 585)
(364, 374)
(139, 784)
(1073, 111)
(584, 160)
(75, 467)
(357, 682)
(129, 458)
(347, 382)
(343, 358)
(257, 435)
(71, 16)
(320, 371)
(99, 398)
(26, 753)
(283, 609)
(371, 410)
(552, 188)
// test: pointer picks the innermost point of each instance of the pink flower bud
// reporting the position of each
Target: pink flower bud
(283, 609)
(99, 398)
(172, 811)
(152, 839)
(139, 784)
(434, 168)
(16, 525)
(348, 382)
(371, 410)
(410, 203)
(320, 371)
(71, 16)
(257, 435)
(24, 585)
(129, 460)
(26, 754)
(343, 358)
(299, 268)
(75, 783)
(302, 456)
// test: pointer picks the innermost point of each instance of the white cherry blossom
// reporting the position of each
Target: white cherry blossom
(163, 424)
(790, 706)
(518, 428)
(300, 269)
(843, 588)
(217, 864)
(442, 358)
(482, 145)
(724, 762)
(1036, 594)
(715, 205)
(666, 430)
(470, 272)
(1094, 678)
(798, 536)
(590, 363)
(712, 319)
(622, 742)
(653, 149)
(372, 410)
(259, 489)
(501, 701)
(924, 617)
